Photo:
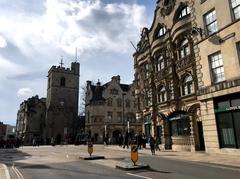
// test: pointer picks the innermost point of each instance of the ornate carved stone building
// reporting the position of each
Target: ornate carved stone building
(186, 66)
(109, 107)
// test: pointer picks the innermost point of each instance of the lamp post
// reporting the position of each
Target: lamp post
(123, 108)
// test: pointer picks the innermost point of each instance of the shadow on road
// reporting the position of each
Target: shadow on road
(10, 156)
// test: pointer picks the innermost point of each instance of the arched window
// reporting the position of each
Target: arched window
(62, 81)
(187, 86)
(162, 95)
(109, 102)
(161, 31)
(184, 12)
(184, 49)
(160, 63)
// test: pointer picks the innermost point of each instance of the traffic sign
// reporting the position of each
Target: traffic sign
(134, 153)
(90, 148)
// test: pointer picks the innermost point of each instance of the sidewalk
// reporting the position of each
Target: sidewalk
(210, 158)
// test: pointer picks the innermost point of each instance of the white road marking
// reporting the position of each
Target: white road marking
(18, 173)
(6, 171)
(139, 176)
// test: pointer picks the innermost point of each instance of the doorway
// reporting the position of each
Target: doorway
(200, 135)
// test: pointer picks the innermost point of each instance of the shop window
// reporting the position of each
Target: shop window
(236, 9)
(210, 20)
(180, 125)
(227, 111)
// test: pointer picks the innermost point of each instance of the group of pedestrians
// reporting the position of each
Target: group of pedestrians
(140, 139)
(10, 143)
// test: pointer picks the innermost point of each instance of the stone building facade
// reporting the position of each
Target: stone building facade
(62, 103)
(2, 130)
(187, 75)
(31, 119)
(109, 108)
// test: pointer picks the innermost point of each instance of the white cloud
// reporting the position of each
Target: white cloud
(24, 92)
(3, 42)
(67, 24)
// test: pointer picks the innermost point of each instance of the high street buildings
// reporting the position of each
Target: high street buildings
(187, 75)
(110, 110)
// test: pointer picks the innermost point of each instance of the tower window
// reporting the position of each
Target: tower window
(62, 81)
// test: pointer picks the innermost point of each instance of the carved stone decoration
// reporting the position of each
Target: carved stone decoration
(167, 7)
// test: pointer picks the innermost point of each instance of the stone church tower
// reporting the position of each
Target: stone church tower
(62, 102)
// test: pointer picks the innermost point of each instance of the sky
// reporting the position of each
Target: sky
(34, 34)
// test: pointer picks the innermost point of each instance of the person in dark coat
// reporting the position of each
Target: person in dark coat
(126, 140)
(152, 145)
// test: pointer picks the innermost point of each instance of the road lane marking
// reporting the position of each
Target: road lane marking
(139, 176)
(17, 172)
(6, 171)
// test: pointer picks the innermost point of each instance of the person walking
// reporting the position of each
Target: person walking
(126, 140)
(152, 145)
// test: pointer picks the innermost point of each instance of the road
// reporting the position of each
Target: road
(62, 162)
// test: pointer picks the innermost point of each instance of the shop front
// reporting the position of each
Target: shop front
(227, 112)
(179, 123)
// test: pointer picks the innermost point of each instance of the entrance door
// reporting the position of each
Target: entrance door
(200, 134)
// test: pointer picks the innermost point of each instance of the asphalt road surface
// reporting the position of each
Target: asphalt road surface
(62, 162)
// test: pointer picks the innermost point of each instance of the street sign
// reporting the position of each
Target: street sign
(90, 148)
(134, 153)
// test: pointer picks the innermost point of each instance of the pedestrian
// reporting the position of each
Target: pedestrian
(120, 140)
(126, 140)
(34, 142)
(157, 142)
(52, 141)
(144, 141)
(139, 140)
(152, 145)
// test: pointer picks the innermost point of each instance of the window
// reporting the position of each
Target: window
(128, 103)
(236, 8)
(180, 125)
(114, 91)
(211, 22)
(184, 12)
(109, 116)
(62, 81)
(147, 73)
(228, 121)
(171, 90)
(109, 102)
(119, 117)
(162, 31)
(160, 63)
(119, 102)
(148, 98)
(184, 49)
(238, 50)
(217, 70)
(162, 96)
(187, 87)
